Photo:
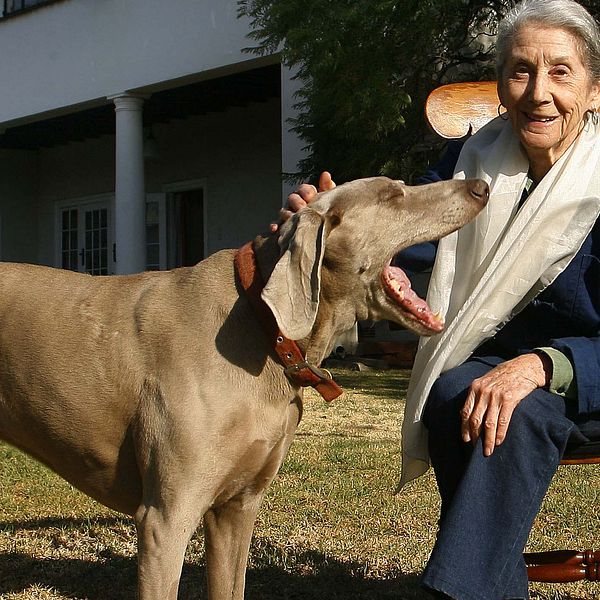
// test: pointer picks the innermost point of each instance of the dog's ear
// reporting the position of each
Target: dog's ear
(292, 292)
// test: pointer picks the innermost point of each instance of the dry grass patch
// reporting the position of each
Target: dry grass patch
(330, 527)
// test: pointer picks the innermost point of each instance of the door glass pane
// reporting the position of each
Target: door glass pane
(152, 236)
(96, 248)
(69, 239)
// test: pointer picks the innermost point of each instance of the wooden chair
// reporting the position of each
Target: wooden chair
(454, 111)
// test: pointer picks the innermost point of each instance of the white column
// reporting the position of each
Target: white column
(130, 198)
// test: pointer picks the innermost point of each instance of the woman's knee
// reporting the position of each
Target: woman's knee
(540, 420)
(448, 394)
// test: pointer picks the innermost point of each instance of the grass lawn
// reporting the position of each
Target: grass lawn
(330, 527)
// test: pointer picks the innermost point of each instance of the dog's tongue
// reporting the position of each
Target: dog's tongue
(398, 287)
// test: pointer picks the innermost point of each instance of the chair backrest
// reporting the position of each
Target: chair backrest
(457, 109)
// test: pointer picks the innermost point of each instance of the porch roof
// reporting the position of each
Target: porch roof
(199, 98)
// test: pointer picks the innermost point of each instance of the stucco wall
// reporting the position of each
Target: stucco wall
(239, 154)
(78, 51)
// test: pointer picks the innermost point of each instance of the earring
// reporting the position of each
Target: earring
(502, 114)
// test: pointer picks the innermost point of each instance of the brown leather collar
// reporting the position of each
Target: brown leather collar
(297, 368)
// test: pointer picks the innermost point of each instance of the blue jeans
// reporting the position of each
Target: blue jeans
(488, 504)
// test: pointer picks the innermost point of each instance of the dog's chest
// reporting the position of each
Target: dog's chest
(255, 455)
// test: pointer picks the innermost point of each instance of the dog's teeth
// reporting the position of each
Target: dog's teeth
(400, 293)
(438, 316)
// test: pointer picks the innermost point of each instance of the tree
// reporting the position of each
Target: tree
(367, 67)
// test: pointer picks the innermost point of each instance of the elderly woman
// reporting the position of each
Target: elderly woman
(516, 373)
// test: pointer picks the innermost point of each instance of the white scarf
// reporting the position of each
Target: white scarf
(493, 267)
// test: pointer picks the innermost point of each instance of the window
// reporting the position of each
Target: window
(16, 6)
(84, 239)
(96, 241)
(70, 242)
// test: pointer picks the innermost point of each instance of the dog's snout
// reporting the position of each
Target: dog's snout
(480, 190)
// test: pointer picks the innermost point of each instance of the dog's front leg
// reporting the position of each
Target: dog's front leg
(163, 536)
(228, 526)
(227, 533)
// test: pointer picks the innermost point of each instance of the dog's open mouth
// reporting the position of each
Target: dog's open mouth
(397, 286)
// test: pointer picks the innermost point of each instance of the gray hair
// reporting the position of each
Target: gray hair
(560, 14)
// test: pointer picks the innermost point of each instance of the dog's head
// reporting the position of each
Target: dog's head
(335, 265)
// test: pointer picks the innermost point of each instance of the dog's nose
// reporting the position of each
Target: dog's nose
(480, 190)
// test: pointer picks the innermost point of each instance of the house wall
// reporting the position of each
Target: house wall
(236, 152)
(18, 206)
(77, 52)
(77, 170)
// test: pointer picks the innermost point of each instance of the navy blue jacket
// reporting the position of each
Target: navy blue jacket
(565, 316)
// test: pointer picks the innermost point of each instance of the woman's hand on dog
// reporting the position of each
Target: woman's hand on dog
(303, 196)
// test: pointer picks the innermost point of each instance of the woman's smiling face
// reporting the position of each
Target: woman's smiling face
(546, 89)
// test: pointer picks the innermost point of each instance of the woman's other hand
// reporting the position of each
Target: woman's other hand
(303, 196)
(493, 398)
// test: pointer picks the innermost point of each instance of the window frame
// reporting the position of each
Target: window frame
(13, 12)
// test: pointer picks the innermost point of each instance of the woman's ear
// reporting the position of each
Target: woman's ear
(500, 90)
(594, 97)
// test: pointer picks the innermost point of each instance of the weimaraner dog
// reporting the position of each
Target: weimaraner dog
(159, 394)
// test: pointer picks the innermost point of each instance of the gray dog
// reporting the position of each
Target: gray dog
(160, 394)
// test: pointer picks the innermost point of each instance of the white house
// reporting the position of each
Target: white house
(136, 134)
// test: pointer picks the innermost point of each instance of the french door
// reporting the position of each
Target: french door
(86, 238)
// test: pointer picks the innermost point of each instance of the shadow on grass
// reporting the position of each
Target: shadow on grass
(312, 575)
(113, 577)
(386, 385)
(62, 523)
